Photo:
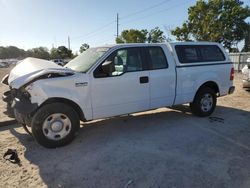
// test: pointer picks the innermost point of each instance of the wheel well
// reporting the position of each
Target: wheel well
(68, 102)
(211, 85)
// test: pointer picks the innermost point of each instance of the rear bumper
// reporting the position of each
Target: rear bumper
(231, 90)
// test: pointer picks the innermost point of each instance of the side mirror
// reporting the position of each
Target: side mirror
(108, 67)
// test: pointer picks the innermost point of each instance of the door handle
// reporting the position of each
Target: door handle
(144, 79)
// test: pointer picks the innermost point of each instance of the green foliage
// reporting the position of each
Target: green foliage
(156, 36)
(119, 40)
(215, 20)
(246, 47)
(11, 52)
(141, 36)
(132, 36)
(84, 47)
(60, 53)
(40, 52)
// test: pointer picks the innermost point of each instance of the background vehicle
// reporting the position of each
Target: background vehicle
(115, 80)
(58, 62)
(246, 75)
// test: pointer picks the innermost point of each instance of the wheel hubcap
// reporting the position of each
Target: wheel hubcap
(56, 126)
(207, 102)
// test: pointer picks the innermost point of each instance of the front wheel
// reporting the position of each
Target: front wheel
(204, 102)
(55, 125)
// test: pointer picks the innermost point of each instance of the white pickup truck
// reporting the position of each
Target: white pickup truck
(115, 80)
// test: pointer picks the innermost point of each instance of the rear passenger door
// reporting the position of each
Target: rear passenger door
(162, 76)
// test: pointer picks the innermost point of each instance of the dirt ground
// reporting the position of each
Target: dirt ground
(160, 148)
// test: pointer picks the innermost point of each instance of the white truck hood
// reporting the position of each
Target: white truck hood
(30, 69)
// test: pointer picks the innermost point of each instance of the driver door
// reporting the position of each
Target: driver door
(125, 89)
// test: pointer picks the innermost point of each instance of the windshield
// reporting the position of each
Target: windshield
(85, 60)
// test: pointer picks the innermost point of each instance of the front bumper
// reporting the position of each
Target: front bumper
(7, 97)
(23, 110)
(19, 107)
(24, 106)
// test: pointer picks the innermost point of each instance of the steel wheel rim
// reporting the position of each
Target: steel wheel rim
(206, 102)
(56, 126)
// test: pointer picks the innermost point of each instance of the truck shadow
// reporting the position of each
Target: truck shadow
(111, 152)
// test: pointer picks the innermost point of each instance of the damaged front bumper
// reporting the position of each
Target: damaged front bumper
(20, 104)
(24, 106)
(7, 97)
(23, 110)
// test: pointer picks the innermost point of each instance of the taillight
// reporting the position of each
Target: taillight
(232, 74)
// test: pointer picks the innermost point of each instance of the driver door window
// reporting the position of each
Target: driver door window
(123, 60)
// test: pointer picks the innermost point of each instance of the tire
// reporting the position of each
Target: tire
(54, 125)
(204, 102)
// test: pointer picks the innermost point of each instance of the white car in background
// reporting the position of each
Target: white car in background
(58, 62)
(246, 75)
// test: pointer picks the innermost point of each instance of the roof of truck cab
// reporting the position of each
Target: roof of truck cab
(154, 44)
(130, 44)
(194, 43)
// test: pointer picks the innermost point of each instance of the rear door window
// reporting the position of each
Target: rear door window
(157, 58)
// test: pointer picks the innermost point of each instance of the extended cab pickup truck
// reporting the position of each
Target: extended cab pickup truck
(115, 80)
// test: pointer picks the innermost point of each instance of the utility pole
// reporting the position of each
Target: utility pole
(117, 26)
(68, 43)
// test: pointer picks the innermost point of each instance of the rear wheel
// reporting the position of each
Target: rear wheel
(55, 125)
(204, 102)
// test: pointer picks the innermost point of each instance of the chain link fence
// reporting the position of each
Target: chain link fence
(239, 60)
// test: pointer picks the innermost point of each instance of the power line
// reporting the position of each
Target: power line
(117, 26)
(145, 9)
(95, 31)
(158, 12)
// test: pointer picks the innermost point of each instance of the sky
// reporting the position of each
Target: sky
(33, 23)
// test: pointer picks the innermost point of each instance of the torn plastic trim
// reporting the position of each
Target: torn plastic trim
(27, 79)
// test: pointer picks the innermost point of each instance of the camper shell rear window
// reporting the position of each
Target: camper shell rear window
(199, 53)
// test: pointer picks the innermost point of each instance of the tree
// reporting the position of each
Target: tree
(84, 47)
(40, 52)
(215, 20)
(132, 36)
(246, 47)
(53, 53)
(141, 36)
(60, 53)
(11, 52)
(156, 36)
